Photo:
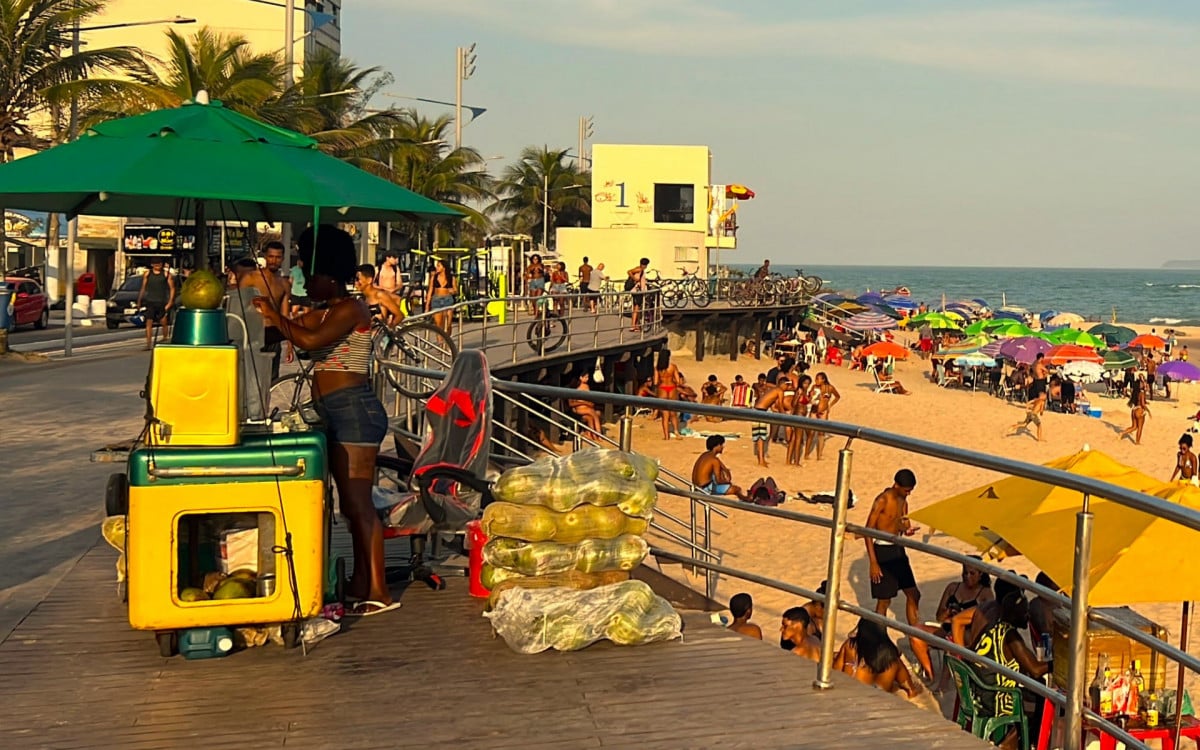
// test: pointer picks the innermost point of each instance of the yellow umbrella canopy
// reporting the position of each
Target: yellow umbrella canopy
(1136, 557)
(980, 516)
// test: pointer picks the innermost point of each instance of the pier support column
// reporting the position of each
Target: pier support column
(700, 341)
(758, 338)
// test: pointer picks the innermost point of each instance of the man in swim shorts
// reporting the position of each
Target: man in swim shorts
(710, 474)
(890, 570)
(1033, 415)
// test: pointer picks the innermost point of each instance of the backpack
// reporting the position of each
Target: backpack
(764, 491)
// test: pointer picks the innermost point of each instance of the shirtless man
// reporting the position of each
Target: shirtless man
(796, 629)
(1033, 415)
(388, 279)
(585, 276)
(760, 432)
(1041, 376)
(270, 284)
(741, 606)
(890, 571)
(710, 473)
(384, 304)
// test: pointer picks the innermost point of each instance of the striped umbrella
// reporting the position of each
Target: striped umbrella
(869, 321)
(992, 349)
(901, 303)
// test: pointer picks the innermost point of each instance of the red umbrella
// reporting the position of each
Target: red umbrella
(740, 192)
(886, 349)
(1146, 341)
(1064, 353)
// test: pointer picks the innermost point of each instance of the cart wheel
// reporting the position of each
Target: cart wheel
(339, 583)
(116, 495)
(291, 634)
(168, 643)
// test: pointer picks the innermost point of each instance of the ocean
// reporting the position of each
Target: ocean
(1157, 296)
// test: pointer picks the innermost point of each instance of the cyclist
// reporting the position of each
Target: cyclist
(385, 306)
(764, 270)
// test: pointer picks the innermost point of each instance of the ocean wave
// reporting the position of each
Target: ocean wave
(1172, 286)
(1187, 286)
(1175, 321)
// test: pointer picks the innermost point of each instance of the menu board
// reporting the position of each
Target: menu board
(146, 239)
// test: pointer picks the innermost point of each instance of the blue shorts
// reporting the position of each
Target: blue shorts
(537, 285)
(441, 301)
(353, 416)
(713, 488)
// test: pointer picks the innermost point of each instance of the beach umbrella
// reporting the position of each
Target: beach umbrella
(1179, 370)
(1008, 315)
(887, 310)
(168, 162)
(1046, 315)
(884, 349)
(1024, 349)
(1146, 341)
(979, 516)
(1010, 329)
(992, 348)
(870, 298)
(869, 321)
(1083, 371)
(1064, 353)
(1113, 335)
(901, 303)
(979, 326)
(960, 308)
(1065, 319)
(1014, 309)
(1078, 337)
(974, 359)
(1116, 359)
(937, 320)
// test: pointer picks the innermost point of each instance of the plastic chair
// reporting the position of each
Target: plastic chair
(883, 385)
(971, 715)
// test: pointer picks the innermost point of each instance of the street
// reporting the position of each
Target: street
(52, 499)
(29, 339)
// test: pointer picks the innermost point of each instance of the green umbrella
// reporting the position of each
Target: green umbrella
(1117, 359)
(1076, 336)
(979, 326)
(935, 320)
(1009, 329)
(1113, 335)
(163, 163)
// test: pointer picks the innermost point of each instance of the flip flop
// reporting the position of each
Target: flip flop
(379, 608)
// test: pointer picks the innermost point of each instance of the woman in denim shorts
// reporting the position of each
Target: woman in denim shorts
(338, 337)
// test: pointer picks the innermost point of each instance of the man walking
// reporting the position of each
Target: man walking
(388, 278)
(156, 296)
(596, 281)
(889, 567)
(270, 284)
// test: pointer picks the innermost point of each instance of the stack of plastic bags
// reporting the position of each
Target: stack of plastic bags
(563, 536)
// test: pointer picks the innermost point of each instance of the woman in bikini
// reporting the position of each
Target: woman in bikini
(535, 272)
(443, 289)
(585, 410)
(666, 386)
(1185, 460)
(558, 287)
(797, 437)
(871, 657)
(1137, 413)
(955, 612)
(824, 397)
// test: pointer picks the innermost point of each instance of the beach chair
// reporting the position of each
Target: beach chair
(445, 485)
(971, 715)
(883, 385)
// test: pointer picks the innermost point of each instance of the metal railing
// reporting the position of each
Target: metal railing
(1071, 702)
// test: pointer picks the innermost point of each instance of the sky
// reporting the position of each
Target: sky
(926, 132)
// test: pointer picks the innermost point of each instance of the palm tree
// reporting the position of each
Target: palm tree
(541, 174)
(425, 163)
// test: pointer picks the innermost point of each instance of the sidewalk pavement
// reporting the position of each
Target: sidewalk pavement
(52, 416)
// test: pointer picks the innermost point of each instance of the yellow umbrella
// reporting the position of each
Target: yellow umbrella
(1136, 557)
(979, 516)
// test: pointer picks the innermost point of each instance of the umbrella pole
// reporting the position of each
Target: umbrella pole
(1183, 642)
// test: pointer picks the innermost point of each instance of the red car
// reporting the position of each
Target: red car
(30, 304)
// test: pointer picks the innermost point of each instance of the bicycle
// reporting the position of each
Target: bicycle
(548, 331)
(415, 343)
(692, 287)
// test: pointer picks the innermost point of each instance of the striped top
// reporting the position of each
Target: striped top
(350, 353)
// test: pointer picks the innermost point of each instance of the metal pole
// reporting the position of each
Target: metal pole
(1077, 661)
(458, 82)
(833, 573)
(545, 212)
(289, 44)
(72, 225)
(710, 578)
(579, 153)
(625, 435)
(387, 242)
(1183, 644)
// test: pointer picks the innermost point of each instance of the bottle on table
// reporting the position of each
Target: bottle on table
(1137, 685)
(1099, 683)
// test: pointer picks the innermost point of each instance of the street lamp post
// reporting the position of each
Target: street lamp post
(585, 132)
(464, 68)
(545, 201)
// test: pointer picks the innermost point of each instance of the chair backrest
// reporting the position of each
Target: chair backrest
(964, 677)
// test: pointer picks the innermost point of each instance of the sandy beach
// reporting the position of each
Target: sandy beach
(796, 553)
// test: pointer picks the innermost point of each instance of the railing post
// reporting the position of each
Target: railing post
(1077, 658)
(576, 442)
(692, 524)
(710, 577)
(626, 430)
(833, 572)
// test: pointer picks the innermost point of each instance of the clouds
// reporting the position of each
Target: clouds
(1075, 43)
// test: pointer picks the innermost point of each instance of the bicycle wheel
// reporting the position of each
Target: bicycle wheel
(767, 294)
(698, 293)
(813, 284)
(289, 393)
(741, 293)
(422, 345)
(546, 335)
(672, 295)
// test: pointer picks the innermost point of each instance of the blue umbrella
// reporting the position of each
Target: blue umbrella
(869, 321)
(901, 303)
(871, 298)
(1008, 315)
(981, 302)
(992, 349)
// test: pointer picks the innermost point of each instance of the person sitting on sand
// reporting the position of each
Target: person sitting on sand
(1185, 460)
(795, 630)
(1034, 410)
(585, 410)
(713, 392)
(1138, 411)
(741, 606)
(710, 474)
(955, 612)
(873, 659)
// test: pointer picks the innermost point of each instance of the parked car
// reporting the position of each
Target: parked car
(122, 303)
(30, 304)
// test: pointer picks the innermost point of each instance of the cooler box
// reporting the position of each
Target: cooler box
(1093, 411)
(194, 512)
(1121, 649)
(194, 396)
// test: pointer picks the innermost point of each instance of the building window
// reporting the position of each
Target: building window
(685, 254)
(674, 204)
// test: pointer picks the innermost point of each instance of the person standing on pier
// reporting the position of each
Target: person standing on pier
(635, 281)
(889, 566)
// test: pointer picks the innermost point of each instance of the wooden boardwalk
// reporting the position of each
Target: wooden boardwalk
(73, 675)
